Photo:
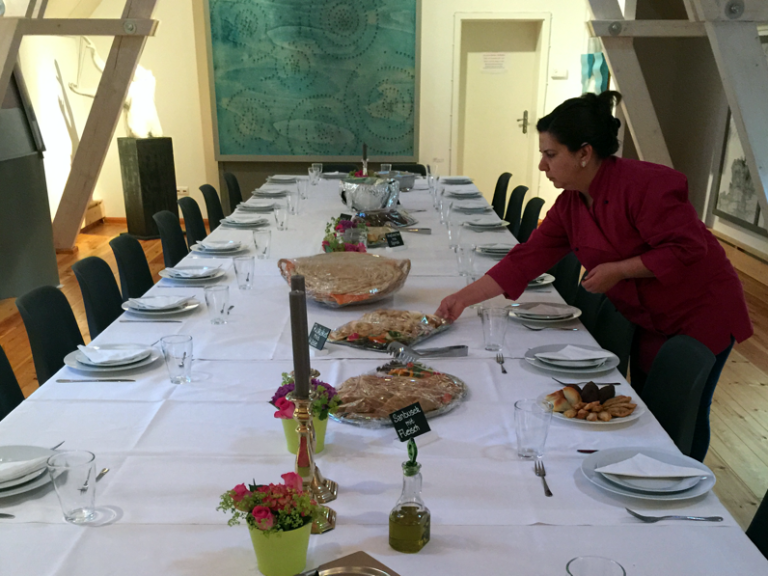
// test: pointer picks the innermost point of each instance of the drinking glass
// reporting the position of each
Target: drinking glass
(217, 300)
(303, 187)
(446, 207)
(495, 322)
(244, 267)
(532, 418)
(454, 233)
(438, 197)
(294, 203)
(74, 479)
(465, 254)
(177, 351)
(261, 242)
(594, 566)
(386, 167)
(281, 216)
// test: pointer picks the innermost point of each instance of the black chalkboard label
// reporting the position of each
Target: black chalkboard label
(345, 217)
(409, 422)
(394, 239)
(318, 336)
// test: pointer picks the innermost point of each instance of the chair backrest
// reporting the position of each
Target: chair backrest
(589, 304)
(415, 168)
(499, 201)
(171, 237)
(10, 393)
(233, 188)
(515, 209)
(758, 528)
(614, 333)
(212, 206)
(135, 276)
(566, 273)
(530, 219)
(51, 327)
(674, 385)
(101, 295)
(340, 167)
(193, 220)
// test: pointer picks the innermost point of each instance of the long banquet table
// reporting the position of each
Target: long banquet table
(172, 450)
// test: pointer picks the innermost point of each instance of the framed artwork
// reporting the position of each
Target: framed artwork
(736, 199)
(301, 79)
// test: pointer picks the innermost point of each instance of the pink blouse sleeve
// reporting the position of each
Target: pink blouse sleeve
(546, 246)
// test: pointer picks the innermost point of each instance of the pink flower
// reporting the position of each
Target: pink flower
(292, 480)
(240, 492)
(263, 517)
(285, 408)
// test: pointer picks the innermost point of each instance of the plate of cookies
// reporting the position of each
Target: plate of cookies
(593, 405)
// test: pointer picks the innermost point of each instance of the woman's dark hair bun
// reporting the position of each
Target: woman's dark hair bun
(588, 119)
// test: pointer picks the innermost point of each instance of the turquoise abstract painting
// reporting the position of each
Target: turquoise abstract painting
(314, 77)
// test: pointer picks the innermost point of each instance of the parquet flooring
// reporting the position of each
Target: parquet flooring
(739, 448)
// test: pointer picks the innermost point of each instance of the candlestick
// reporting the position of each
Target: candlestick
(365, 151)
(300, 340)
(297, 283)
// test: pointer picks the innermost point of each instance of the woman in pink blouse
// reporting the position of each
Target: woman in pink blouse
(631, 226)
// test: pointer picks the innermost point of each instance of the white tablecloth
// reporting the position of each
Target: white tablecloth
(172, 450)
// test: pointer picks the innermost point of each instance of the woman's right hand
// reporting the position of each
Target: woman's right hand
(451, 307)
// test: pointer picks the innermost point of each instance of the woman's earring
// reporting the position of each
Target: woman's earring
(583, 164)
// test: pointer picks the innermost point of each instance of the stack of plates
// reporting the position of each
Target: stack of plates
(648, 474)
(496, 251)
(160, 305)
(245, 221)
(545, 312)
(456, 180)
(484, 225)
(572, 359)
(192, 274)
(261, 193)
(463, 194)
(23, 468)
(253, 207)
(111, 357)
(223, 247)
(479, 208)
(277, 179)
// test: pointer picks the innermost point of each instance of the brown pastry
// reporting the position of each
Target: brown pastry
(590, 392)
(607, 392)
(572, 396)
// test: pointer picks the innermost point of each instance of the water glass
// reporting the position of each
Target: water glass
(261, 242)
(454, 233)
(446, 207)
(303, 187)
(294, 203)
(532, 418)
(217, 300)
(244, 268)
(465, 258)
(594, 566)
(74, 479)
(495, 323)
(281, 216)
(177, 351)
(386, 167)
(438, 197)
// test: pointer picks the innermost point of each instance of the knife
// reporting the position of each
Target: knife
(444, 352)
(417, 230)
(94, 380)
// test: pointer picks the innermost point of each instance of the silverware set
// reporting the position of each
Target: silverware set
(408, 354)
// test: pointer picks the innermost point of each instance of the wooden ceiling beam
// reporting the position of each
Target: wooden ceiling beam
(647, 28)
(87, 26)
(732, 10)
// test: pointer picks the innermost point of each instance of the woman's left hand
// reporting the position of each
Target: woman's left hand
(603, 277)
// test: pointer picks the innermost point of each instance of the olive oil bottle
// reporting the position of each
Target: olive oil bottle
(409, 520)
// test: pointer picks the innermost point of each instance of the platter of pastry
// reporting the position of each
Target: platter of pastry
(375, 330)
(592, 405)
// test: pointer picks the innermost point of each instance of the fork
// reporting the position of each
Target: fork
(538, 468)
(500, 361)
(540, 328)
(84, 487)
(652, 519)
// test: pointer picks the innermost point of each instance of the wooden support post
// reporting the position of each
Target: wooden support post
(10, 40)
(99, 128)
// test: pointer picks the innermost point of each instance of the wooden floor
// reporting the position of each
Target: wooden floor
(739, 449)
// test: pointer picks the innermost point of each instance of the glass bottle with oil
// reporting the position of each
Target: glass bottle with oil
(410, 518)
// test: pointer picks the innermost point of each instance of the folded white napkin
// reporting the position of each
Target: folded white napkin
(642, 466)
(544, 310)
(112, 355)
(484, 222)
(254, 205)
(220, 245)
(12, 470)
(537, 280)
(201, 272)
(571, 352)
(245, 219)
(159, 302)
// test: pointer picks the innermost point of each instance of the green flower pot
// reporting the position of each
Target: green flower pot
(281, 553)
(292, 439)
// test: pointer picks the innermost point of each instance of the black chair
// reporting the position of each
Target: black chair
(10, 393)
(171, 237)
(233, 188)
(415, 168)
(340, 167)
(51, 328)
(193, 221)
(101, 296)
(613, 332)
(135, 276)
(515, 209)
(589, 304)
(758, 528)
(499, 201)
(566, 273)
(212, 206)
(674, 385)
(530, 219)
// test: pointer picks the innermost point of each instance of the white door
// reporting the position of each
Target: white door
(498, 86)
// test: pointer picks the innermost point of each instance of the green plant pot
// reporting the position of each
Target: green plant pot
(292, 439)
(281, 553)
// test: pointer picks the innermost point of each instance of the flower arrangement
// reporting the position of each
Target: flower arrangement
(325, 399)
(338, 233)
(270, 508)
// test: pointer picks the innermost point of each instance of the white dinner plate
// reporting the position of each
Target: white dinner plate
(464, 195)
(522, 310)
(270, 193)
(530, 357)
(218, 274)
(282, 179)
(455, 180)
(334, 175)
(19, 453)
(639, 411)
(543, 280)
(472, 209)
(539, 321)
(218, 246)
(146, 351)
(256, 208)
(23, 479)
(254, 224)
(654, 485)
(186, 307)
(580, 364)
(483, 227)
(71, 361)
(608, 456)
(201, 253)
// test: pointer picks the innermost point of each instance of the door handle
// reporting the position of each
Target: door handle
(524, 120)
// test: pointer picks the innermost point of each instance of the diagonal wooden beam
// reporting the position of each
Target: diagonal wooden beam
(647, 28)
(99, 128)
(732, 10)
(10, 40)
(88, 26)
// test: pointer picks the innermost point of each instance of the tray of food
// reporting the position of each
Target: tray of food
(375, 330)
(593, 405)
(398, 218)
(369, 399)
(339, 279)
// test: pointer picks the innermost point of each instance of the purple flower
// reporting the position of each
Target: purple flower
(282, 392)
